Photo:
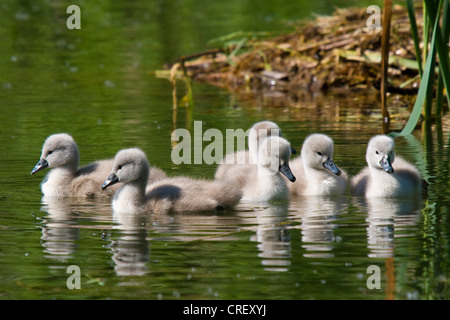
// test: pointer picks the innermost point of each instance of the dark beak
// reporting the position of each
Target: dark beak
(293, 151)
(284, 169)
(386, 164)
(112, 179)
(42, 164)
(329, 164)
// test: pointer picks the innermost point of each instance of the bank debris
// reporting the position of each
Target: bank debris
(337, 51)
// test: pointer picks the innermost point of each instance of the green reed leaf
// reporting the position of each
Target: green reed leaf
(415, 33)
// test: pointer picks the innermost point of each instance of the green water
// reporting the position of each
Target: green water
(97, 84)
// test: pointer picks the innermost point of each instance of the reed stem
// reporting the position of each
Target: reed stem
(387, 14)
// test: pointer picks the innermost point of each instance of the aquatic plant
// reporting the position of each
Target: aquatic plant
(435, 44)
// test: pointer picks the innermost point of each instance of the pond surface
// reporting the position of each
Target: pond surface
(97, 84)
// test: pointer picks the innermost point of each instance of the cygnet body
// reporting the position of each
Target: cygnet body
(386, 175)
(60, 154)
(257, 133)
(315, 170)
(178, 194)
(263, 181)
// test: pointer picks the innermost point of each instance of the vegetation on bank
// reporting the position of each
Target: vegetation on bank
(337, 52)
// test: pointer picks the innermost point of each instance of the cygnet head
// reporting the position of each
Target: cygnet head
(274, 153)
(317, 153)
(130, 166)
(59, 150)
(380, 153)
(260, 131)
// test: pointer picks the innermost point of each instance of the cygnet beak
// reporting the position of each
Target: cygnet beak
(42, 164)
(385, 163)
(329, 164)
(286, 170)
(112, 179)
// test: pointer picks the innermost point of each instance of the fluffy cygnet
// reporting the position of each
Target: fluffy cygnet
(386, 175)
(178, 194)
(258, 132)
(315, 170)
(60, 153)
(263, 181)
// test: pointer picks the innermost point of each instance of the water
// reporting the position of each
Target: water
(97, 84)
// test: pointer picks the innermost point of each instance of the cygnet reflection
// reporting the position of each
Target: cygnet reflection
(269, 221)
(318, 222)
(136, 231)
(131, 247)
(59, 231)
(387, 219)
(61, 228)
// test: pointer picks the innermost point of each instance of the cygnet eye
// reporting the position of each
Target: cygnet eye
(377, 152)
(119, 167)
(319, 153)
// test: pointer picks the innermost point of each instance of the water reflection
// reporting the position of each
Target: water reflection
(131, 249)
(271, 233)
(59, 232)
(386, 218)
(271, 226)
(319, 217)
(61, 228)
